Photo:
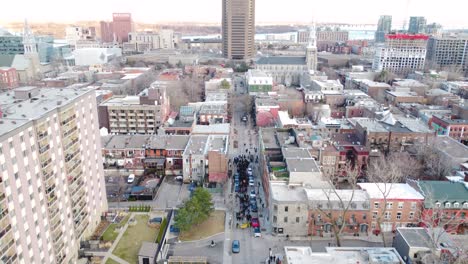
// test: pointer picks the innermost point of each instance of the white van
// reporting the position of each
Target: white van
(131, 178)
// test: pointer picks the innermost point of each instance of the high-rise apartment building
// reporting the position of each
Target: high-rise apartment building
(238, 29)
(118, 29)
(384, 26)
(52, 192)
(417, 25)
(434, 29)
(401, 53)
(448, 52)
(76, 33)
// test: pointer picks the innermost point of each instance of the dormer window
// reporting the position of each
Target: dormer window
(437, 205)
(447, 205)
(465, 205)
(456, 205)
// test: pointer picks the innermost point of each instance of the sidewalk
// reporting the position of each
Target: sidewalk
(114, 245)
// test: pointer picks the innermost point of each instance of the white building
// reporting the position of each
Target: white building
(76, 33)
(327, 85)
(96, 56)
(259, 81)
(52, 191)
(401, 53)
(166, 39)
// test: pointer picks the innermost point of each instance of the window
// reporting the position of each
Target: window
(275, 207)
(297, 219)
(376, 205)
(465, 205)
(398, 216)
(387, 215)
(400, 205)
(374, 215)
(389, 205)
(411, 215)
(364, 217)
(285, 208)
(437, 205)
(285, 219)
(274, 219)
(413, 205)
(447, 205)
(456, 205)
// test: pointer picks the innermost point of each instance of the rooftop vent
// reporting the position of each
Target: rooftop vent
(59, 102)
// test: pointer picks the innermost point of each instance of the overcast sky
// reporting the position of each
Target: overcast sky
(450, 13)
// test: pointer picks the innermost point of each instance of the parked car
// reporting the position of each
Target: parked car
(174, 229)
(251, 182)
(254, 222)
(257, 232)
(252, 194)
(253, 208)
(179, 178)
(131, 178)
(249, 169)
(235, 246)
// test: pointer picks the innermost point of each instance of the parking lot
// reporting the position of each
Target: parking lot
(116, 187)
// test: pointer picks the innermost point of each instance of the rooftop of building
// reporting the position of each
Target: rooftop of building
(125, 141)
(302, 165)
(443, 191)
(257, 73)
(175, 142)
(216, 96)
(282, 192)
(282, 60)
(16, 112)
(122, 101)
(223, 128)
(336, 195)
(187, 110)
(148, 249)
(420, 238)
(297, 153)
(218, 143)
(268, 136)
(339, 255)
(450, 147)
(196, 145)
(372, 83)
(393, 191)
(452, 121)
(408, 83)
(402, 93)
(208, 108)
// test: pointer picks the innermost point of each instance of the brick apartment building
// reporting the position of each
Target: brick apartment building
(402, 202)
(324, 211)
(8, 78)
(454, 128)
(445, 205)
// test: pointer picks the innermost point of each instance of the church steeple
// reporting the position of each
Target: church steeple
(29, 41)
(312, 36)
(311, 50)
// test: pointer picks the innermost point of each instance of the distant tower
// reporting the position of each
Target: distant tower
(311, 50)
(29, 41)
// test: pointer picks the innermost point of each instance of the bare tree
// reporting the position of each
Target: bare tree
(434, 165)
(384, 172)
(339, 202)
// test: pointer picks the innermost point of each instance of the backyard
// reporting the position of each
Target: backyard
(213, 225)
(110, 234)
(111, 261)
(131, 241)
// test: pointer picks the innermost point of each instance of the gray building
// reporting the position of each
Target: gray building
(383, 27)
(448, 52)
(417, 25)
(238, 29)
(45, 48)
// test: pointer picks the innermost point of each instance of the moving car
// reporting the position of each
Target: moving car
(257, 232)
(235, 246)
(131, 178)
(254, 222)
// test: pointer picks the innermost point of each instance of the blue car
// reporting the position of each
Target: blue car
(236, 187)
(235, 246)
(174, 229)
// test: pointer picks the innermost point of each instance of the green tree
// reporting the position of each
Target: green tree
(225, 84)
(194, 211)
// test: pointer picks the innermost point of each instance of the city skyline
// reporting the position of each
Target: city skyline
(267, 11)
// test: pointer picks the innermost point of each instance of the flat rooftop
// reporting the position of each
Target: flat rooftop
(125, 141)
(212, 109)
(283, 192)
(176, 142)
(196, 145)
(122, 100)
(17, 113)
(282, 60)
(293, 152)
(401, 191)
(269, 138)
(451, 147)
(302, 165)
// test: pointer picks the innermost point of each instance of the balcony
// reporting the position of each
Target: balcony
(69, 131)
(68, 119)
(46, 163)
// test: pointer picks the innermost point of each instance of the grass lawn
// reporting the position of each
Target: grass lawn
(110, 234)
(212, 226)
(111, 261)
(131, 241)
